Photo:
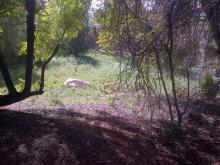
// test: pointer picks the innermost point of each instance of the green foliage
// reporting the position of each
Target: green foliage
(55, 100)
(96, 68)
(116, 23)
(109, 34)
(1, 30)
(23, 48)
(20, 85)
(10, 34)
(9, 7)
(55, 21)
(171, 131)
(78, 45)
(64, 68)
(105, 39)
(209, 88)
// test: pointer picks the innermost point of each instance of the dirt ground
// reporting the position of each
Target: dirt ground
(103, 135)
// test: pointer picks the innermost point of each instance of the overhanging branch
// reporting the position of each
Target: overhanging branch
(16, 97)
(6, 74)
(48, 61)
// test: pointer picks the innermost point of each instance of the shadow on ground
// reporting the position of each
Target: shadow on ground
(69, 137)
(84, 59)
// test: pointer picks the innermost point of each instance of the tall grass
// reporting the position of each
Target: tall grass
(100, 70)
(95, 68)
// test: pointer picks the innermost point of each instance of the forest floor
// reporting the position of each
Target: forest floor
(78, 126)
(103, 135)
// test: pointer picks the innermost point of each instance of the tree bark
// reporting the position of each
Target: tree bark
(45, 65)
(6, 75)
(169, 50)
(164, 85)
(30, 5)
(212, 10)
(16, 97)
(13, 95)
(48, 61)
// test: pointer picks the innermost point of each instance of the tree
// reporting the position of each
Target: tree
(166, 34)
(51, 22)
(212, 10)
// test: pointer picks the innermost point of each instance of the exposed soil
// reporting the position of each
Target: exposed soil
(103, 135)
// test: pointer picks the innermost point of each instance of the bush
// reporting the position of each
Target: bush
(171, 132)
(77, 45)
(209, 88)
(195, 118)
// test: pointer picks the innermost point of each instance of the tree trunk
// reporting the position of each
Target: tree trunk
(6, 75)
(169, 51)
(188, 89)
(45, 65)
(48, 60)
(164, 85)
(30, 5)
(16, 97)
(212, 10)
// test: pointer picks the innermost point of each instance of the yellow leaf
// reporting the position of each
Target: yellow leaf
(1, 30)
(23, 48)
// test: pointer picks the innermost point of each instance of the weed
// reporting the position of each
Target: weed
(209, 88)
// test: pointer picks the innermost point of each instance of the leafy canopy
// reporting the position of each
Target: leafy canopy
(56, 20)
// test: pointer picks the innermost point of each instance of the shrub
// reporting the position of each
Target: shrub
(171, 132)
(195, 118)
(209, 88)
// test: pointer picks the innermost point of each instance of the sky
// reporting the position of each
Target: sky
(96, 4)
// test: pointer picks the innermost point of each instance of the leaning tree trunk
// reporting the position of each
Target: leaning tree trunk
(6, 75)
(13, 95)
(164, 85)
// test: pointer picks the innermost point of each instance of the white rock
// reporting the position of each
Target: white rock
(75, 83)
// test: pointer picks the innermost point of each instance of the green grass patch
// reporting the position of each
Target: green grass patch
(97, 69)
(100, 70)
